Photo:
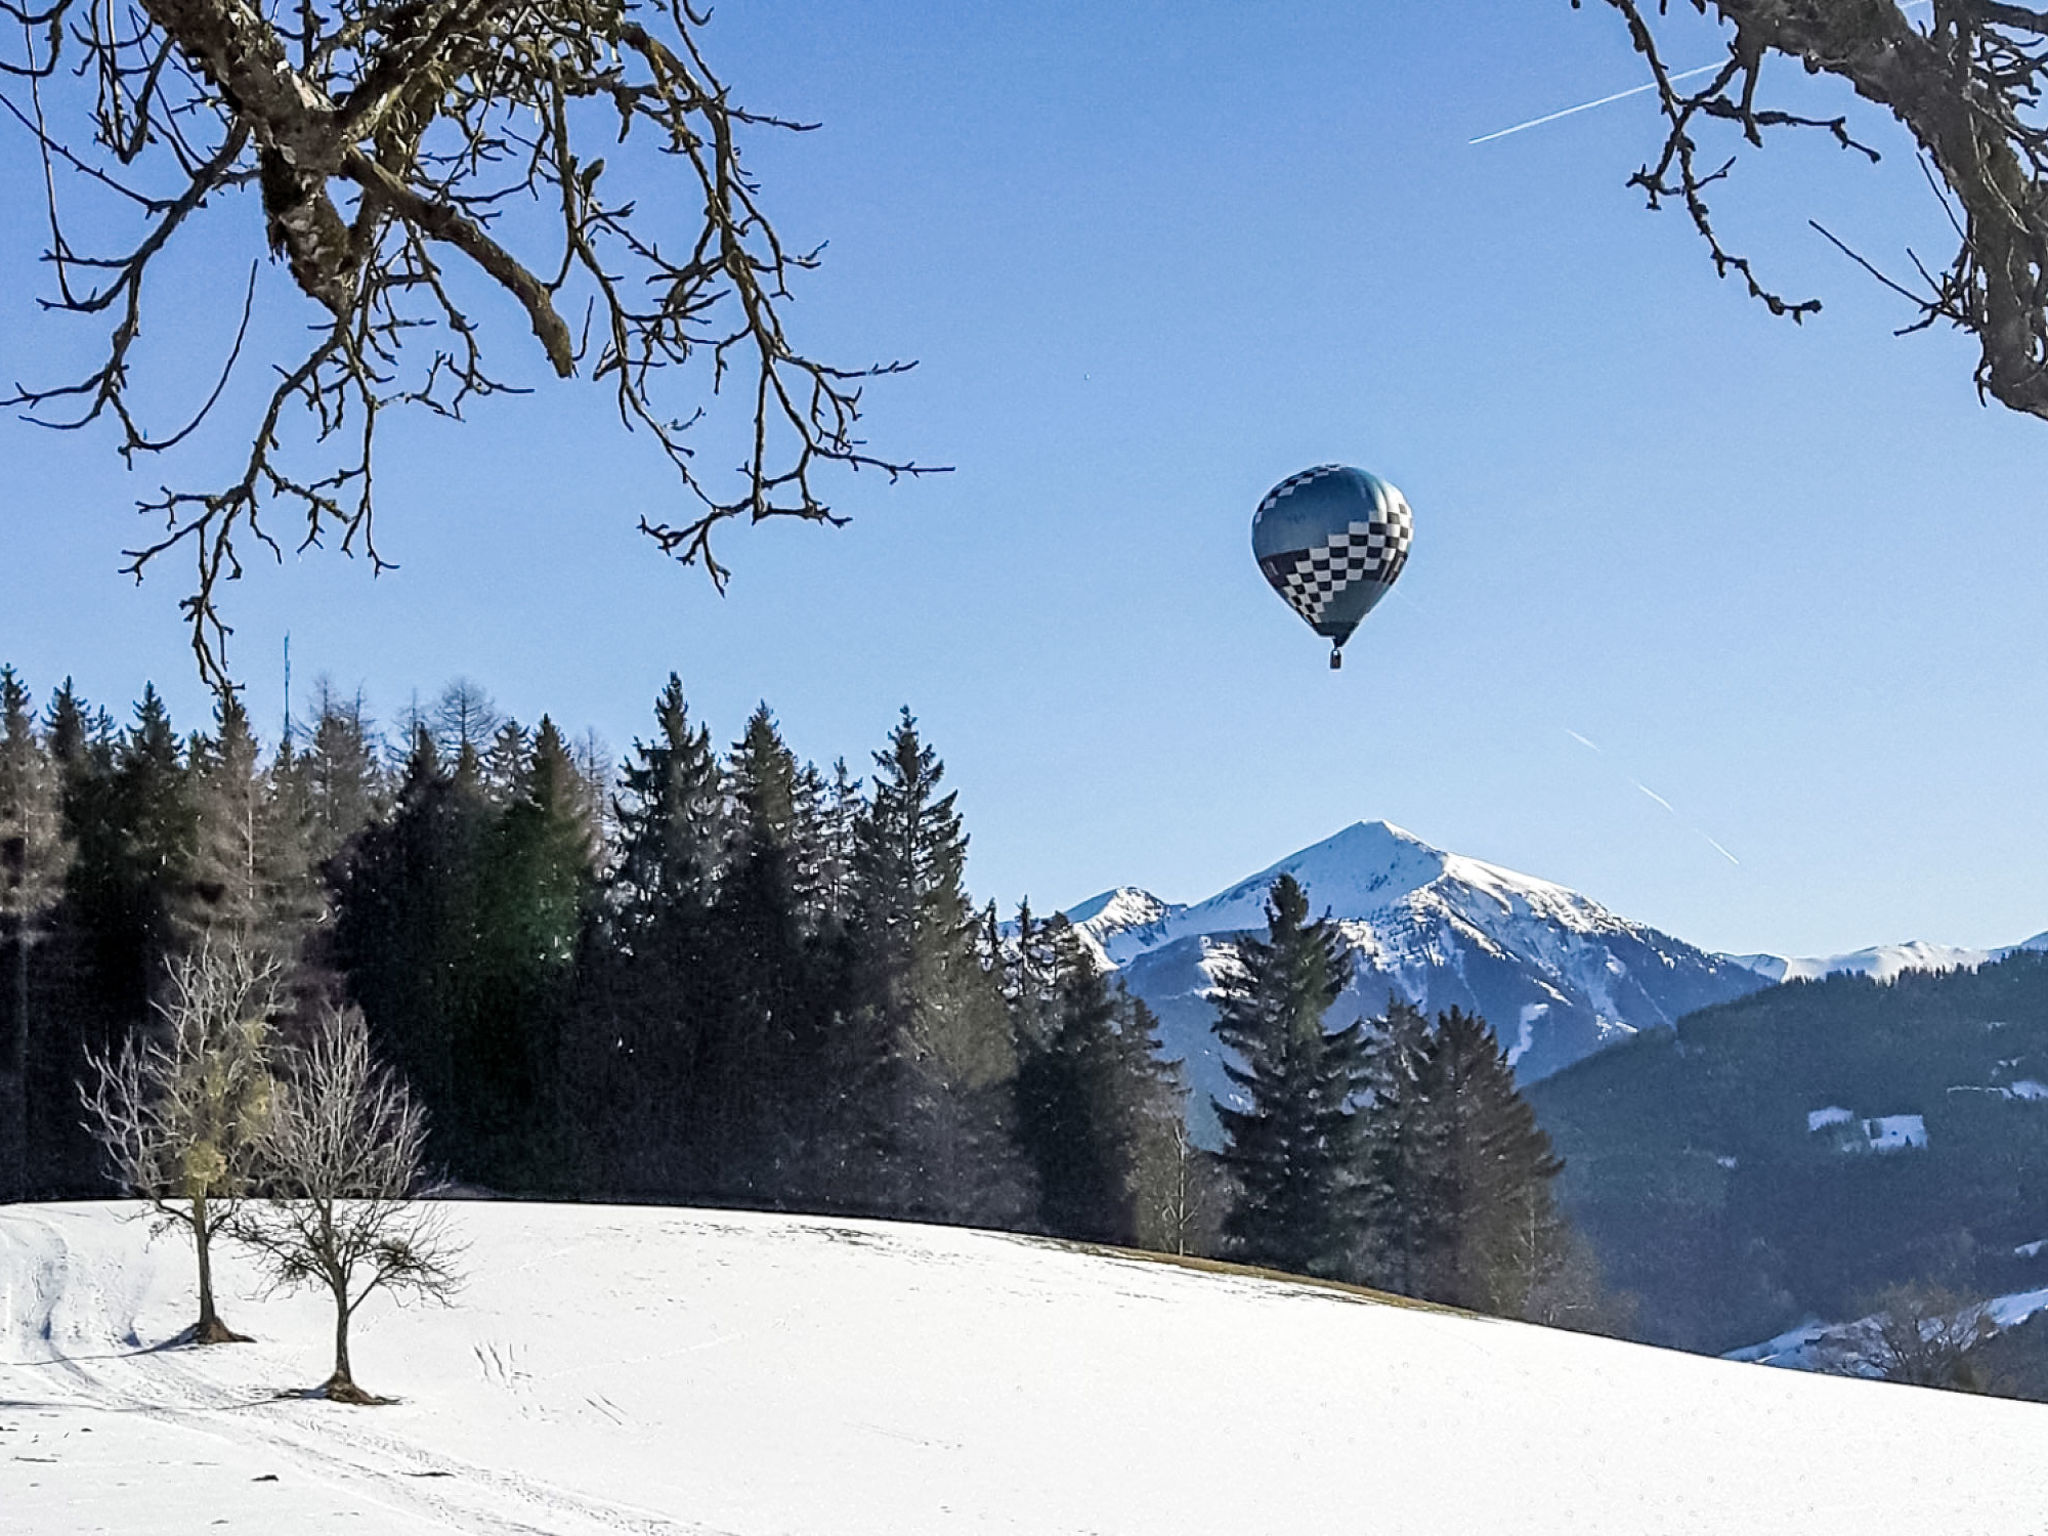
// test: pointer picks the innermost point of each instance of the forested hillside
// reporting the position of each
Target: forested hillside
(732, 978)
(721, 977)
(1788, 1155)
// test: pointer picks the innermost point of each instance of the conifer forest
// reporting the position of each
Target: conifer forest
(722, 976)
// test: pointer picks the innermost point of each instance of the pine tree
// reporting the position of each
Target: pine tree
(1403, 1225)
(931, 1053)
(759, 1046)
(535, 886)
(1487, 1186)
(252, 881)
(647, 990)
(408, 930)
(1091, 1090)
(35, 853)
(1293, 1149)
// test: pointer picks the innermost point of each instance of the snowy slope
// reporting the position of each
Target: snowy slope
(662, 1371)
(1880, 962)
(1817, 1346)
(1555, 973)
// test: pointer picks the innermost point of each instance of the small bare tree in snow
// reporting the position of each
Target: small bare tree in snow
(179, 1110)
(1920, 1334)
(344, 1158)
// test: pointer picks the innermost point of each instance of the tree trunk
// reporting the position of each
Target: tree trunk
(209, 1329)
(341, 1386)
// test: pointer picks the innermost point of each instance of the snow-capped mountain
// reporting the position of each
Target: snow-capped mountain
(1881, 962)
(1121, 924)
(1555, 973)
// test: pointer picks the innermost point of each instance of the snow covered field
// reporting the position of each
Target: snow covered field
(616, 1369)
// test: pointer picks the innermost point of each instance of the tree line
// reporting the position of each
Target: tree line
(722, 977)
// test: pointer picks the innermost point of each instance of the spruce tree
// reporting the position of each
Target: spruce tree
(1494, 1230)
(759, 1050)
(932, 1058)
(1403, 1226)
(647, 990)
(252, 881)
(409, 913)
(1091, 1090)
(1293, 1149)
(35, 853)
(534, 888)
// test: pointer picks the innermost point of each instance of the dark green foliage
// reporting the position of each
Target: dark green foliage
(751, 983)
(1293, 1150)
(1489, 1231)
(1691, 1169)
(35, 852)
(649, 982)
(1093, 1097)
(927, 1044)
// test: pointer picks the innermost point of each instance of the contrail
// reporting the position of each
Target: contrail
(1591, 746)
(1587, 106)
(1634, 90)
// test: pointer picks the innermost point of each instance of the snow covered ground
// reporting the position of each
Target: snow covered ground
(659, 1371)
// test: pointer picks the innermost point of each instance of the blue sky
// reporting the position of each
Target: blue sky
(1152, 258)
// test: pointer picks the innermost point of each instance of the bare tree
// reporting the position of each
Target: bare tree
(344, 1161)
(409, 162)
(1968, 87)
(1920, 1334)
(179, 1111)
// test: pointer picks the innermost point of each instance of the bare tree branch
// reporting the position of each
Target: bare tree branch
(179, 1112)
(1969, 89)
(344, 1157)
(407, 155)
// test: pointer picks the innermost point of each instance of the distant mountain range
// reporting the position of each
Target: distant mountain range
(1556, 974)
(1883, 962)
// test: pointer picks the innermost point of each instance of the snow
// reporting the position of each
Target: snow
(2030, 1250)
(664, 1371)
(1437, 928)
(1881, 962)
(1121, 923)
(2027, 1088)
(1807, 1347)
(1525, 1035)
(1875, 1133)
(1894, 1133)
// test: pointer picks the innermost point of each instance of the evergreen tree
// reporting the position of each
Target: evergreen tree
(928, 1050)
(1091, 1090)
(754, 1083)
(252, 878)
(1495, 1230)
(1404, 1225)
(1293, 1149)
(536, 884)
(646, 1000)
(408, 932)
(35, 853)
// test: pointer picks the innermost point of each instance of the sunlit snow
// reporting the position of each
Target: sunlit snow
(666, 1372)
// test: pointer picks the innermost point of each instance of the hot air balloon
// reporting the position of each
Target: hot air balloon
(1331, 540)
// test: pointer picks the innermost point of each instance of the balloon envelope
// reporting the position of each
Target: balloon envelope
(1332, 540)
